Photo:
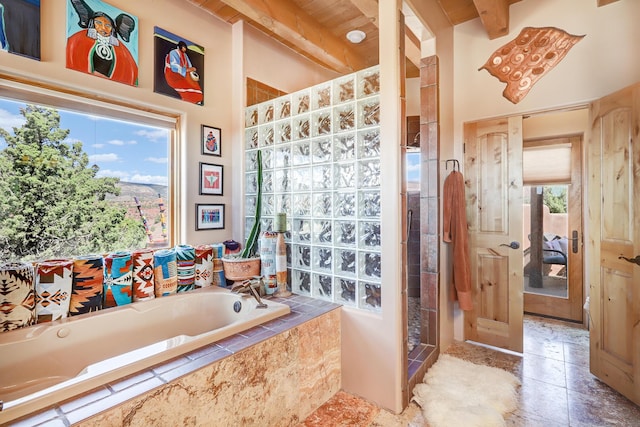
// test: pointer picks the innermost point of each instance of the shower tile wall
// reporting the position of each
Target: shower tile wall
(321, 166)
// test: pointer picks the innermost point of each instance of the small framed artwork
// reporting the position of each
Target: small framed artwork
(211, 179)
(211, 141)
(209, 217)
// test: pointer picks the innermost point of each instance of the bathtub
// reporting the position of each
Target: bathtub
(44, 364)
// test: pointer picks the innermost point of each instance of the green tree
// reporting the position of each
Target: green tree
(51, 202)
(555, 198)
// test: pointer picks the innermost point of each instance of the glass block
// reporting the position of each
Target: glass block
(369, 232)
(283, 131)
(344, 233)
(266, 135)
(369, 143)
(322, 259)
(283, 157)
(301, 127)
(322, 177)
(250, 204)
(344, 147)
(283, 204)
(344, 175)
(368, 82)
(266, 223)
(370, 265)
(251, 116)
(267, 159)
(344, 117)
(248, 224)
(282, 107)
(369, 173)
(282, 180)
(301, 153)
(321, 122)
(267, 182)
(322, 286)
(321, 150)
(369, 112)
(322, 203)
(322, 231)
(251, 183)
(369, 204)
(268, 204)
(370, 296)
(344, 204)
(266, 113)
(344, 89)
(251, 160)
(301, 178)
(321, 96)
(301, 231)
(300, 102)
(301, 282)
(301, 256)
(345, 291)
(345, 262)
(251, 138)
(301, 204)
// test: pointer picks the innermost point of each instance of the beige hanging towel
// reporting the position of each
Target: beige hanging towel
(456, 233)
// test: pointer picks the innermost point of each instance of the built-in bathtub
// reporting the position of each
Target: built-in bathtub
(47, 363)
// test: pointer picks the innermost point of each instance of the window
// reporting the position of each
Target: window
(79, 179)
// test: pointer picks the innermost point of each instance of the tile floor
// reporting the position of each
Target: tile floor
(557, 388)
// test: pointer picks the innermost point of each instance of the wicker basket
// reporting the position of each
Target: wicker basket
(238, 269)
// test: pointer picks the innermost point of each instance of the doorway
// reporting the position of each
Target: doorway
(552, 227)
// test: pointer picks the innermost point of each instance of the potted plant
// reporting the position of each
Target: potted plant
(247, 264)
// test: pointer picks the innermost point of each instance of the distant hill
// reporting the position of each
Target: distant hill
(129, 190)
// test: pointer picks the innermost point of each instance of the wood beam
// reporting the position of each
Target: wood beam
(494, 15)
(605, 2)
(369, 8)
(286, 20)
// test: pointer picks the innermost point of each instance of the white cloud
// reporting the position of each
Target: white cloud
(108, 157)
(153, 135)
(108, 173)
(148, 179)
(161, 160)
(118, 142)
(97, 145)
(8, 121)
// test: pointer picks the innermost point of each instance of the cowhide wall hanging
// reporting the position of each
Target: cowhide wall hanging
(524, 60)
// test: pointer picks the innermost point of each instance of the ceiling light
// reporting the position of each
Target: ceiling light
(356, 36)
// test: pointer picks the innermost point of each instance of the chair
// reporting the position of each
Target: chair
(553, 255)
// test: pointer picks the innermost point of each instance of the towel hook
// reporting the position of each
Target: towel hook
(456, 164)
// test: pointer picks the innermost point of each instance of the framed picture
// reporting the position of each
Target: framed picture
(209, 217)
(211, 179)
(211, 141)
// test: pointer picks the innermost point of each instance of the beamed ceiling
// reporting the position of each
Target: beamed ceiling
(316, 28)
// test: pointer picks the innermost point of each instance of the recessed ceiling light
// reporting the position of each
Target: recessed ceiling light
(356, 36)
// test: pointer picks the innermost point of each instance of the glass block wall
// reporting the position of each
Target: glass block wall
(321, 166)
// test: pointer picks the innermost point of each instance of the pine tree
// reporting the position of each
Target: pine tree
(51, 202)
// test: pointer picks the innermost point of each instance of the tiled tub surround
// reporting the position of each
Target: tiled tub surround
(276, 373)
(321, 166)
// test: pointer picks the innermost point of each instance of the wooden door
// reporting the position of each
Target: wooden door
(569, 307)
(613, 164)
(493, 170)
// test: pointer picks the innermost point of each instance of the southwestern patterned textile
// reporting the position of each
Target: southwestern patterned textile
(143, 275)
(86, 292)
(17, 296)
(204, 266)
(165, 272)
(524, 60)
(186, 260)
(118, 279)
(53, 289)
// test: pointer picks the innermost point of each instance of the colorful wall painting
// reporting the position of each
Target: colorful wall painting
(179, 67)
(102, 40)
(15, 17)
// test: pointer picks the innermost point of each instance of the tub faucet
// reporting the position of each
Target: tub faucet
(247, 287)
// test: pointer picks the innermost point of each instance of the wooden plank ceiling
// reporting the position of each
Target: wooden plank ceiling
(317, 28)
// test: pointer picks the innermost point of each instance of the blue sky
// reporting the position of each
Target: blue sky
(124, 150)
(413, 167)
